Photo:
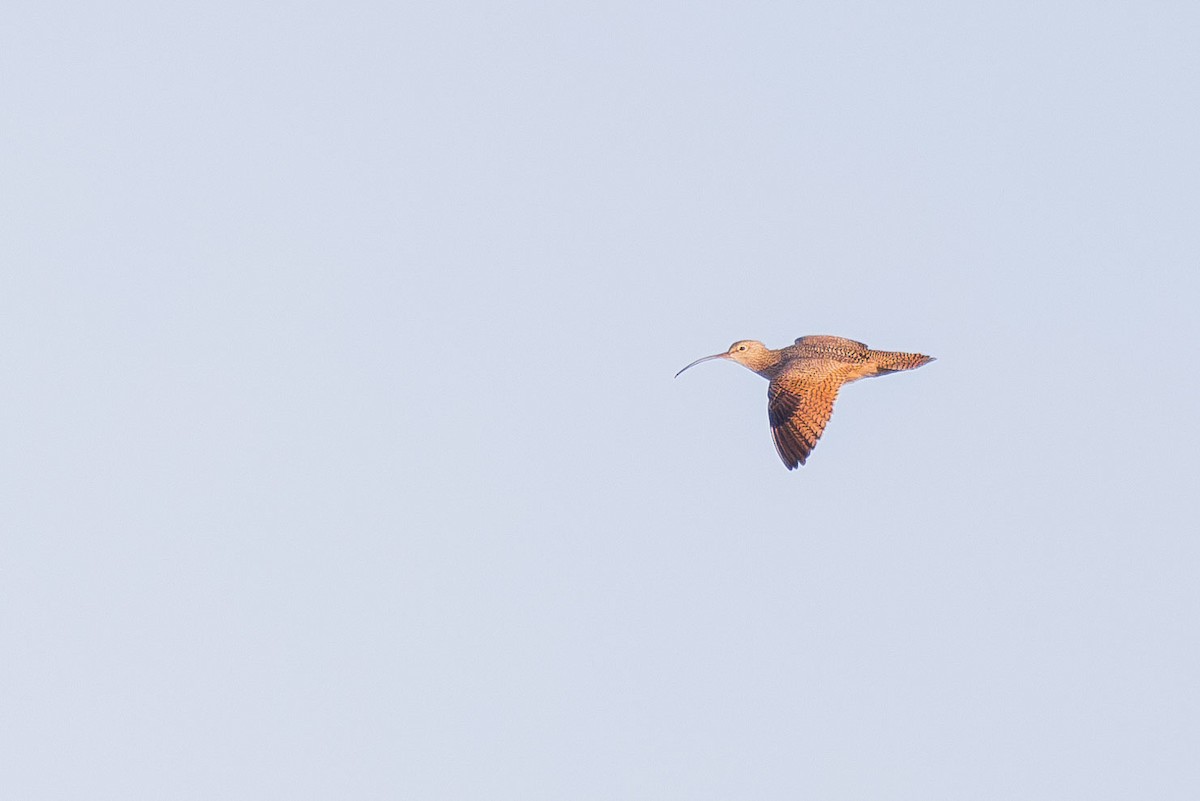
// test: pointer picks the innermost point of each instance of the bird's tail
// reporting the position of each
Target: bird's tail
(887, 361)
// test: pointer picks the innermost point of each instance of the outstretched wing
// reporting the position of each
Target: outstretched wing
(799, 403)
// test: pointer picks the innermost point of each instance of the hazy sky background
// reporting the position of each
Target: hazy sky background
(343, 458)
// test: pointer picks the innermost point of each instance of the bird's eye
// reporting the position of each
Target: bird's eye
(741, 347)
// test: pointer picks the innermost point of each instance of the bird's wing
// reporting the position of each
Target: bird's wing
(799, 403)
(818, 340)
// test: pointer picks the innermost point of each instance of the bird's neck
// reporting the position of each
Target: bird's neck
(767, 363)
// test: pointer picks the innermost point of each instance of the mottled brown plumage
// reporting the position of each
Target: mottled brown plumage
(805, 379)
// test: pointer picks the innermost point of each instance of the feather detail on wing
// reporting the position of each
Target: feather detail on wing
(799, 404)
(824, 340)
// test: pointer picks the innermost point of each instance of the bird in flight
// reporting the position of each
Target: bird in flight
(805, 379)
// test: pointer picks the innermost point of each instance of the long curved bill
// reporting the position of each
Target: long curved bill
(705, 359)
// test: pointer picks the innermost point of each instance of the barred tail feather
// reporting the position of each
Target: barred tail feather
(894, 361)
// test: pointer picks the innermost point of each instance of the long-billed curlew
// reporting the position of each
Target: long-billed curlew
(805, 379)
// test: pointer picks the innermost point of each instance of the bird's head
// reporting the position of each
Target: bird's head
(747, 352)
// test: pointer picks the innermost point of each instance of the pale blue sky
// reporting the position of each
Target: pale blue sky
(343, 457)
